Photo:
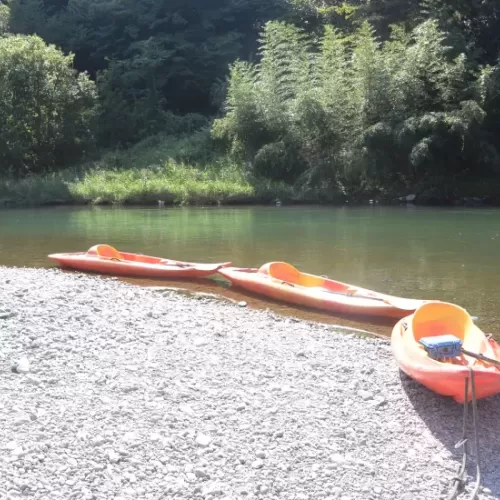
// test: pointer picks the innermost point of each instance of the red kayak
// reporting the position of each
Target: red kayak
(446, 375)
(107, 260)
(282, 281)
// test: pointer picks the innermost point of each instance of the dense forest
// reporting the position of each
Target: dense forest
(316, 100)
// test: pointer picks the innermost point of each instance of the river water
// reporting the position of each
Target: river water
(449, 254)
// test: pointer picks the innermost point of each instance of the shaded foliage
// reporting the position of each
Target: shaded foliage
(149, 56)
(323, 94)
(352, 111)
(47, 109)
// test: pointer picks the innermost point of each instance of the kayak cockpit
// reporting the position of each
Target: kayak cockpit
(435, 319)
(287, 273)
(106, 251)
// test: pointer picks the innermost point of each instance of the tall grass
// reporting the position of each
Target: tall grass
(159, 169)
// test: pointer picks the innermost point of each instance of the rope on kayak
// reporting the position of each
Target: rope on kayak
(458, 480)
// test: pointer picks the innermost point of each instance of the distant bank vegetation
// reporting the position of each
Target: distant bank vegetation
(223, 101)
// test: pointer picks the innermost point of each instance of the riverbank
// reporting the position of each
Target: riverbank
(133, 393)
(174, 171)
(174, 184)
(165, 170)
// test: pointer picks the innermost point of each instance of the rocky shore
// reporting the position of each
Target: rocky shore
(111, 391)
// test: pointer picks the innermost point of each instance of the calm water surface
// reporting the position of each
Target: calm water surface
(447, 254)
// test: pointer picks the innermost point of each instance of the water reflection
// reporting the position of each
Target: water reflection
(449, 254)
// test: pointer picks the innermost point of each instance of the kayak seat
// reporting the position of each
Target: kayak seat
(105, 251)
(287, 273)
(434, 319)
(439, 318)
(281, 271)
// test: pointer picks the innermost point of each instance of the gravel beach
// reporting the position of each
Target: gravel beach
(111, 391)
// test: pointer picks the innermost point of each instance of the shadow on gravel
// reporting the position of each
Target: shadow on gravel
(444, 419)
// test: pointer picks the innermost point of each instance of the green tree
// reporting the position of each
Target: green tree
(149, 57)
(473, 25)
(351, 111)
(4, 18)
(47, 109)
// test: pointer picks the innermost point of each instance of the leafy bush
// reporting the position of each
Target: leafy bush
(348, 109)
(47, 109)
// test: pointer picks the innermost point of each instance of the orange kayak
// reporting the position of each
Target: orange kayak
(107, 260)
(282, 281)
(446, 376)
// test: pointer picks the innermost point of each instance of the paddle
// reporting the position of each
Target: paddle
(481, 357)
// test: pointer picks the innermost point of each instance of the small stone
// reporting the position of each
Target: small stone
(22, 418)
(257, 464)
(11, 445)
(263, 489)
(379, 401)
(242, 303)
(130, 437)
(130, 388)
(365, 395)
(113, 457)
(99, 441)
(22, 366)
(186, 409)
(19, 452)
(261, 454)
(337, 458)
(201, 473)
(203, 440)
(7, 314)
(86, 493)
(200, 341)
(33, 380)
(213, 490)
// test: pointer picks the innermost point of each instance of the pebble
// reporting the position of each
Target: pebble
(203, 440)
(18, 452)
(11, 445)
(113, 457)
(200, 473)
(36, 343)
(33, 379)
(187, 409)
(22, 365)
(365, 395)
(200, 341)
